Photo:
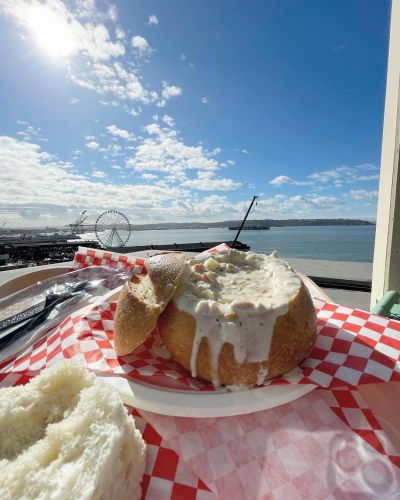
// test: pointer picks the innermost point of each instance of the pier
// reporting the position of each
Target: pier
(21, 252)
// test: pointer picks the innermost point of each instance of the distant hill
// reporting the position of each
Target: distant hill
(205, 225)
(254, 222)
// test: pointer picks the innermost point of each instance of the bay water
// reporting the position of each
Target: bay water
(339, 243)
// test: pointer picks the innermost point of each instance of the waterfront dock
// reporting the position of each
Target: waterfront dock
(359, 272)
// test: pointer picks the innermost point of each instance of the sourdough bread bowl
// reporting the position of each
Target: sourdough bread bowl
(239, 318)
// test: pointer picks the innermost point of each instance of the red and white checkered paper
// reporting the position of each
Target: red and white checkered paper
(86, 257)
(167, 475)
(353, 347)
(300, 450)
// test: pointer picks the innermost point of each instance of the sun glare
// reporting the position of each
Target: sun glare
(52, 32)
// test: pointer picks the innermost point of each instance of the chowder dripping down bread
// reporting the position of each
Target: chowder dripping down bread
(239, 318)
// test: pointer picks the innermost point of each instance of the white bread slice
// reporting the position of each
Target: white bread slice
(143, 299)
(66, 434)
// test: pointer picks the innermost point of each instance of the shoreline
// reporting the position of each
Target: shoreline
(325, 243)
(212, 225)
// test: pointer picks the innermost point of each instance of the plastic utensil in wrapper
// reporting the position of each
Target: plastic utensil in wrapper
(26, 315)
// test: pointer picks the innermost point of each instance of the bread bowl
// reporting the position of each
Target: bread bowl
(66, 434)
(239, 318)
(143, 298)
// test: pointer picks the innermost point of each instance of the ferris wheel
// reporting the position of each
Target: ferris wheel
(112, 229)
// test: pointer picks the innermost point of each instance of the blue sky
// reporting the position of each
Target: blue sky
(182, 110)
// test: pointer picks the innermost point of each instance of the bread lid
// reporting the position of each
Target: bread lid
(144, 298)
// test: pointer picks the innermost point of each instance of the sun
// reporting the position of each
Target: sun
(52, 32)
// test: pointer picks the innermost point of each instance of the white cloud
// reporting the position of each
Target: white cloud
(361, 194)
(92, 39)
(205, 100)
(299, 206)
(322, 202)
(113, 13)
(344, 174)
(149, 177)
(244, 151)
(29, 132)
(99, 174)
(169, 91)
(113, 150)
(164, 151)
(152, 20)
(93, 49)
(58, 188)
(93, 145)
(132, 111)
(335, 177)
(73, 100)
(168, 120)
(183, 58)
(112, 103)
(119, 132)
(160, 195)
(114, 80)
(141, 46)
(11, 217)
(206, 181)
(47, 217)
(120, 33)
(281, 180)
(373, 177)
(153, 128)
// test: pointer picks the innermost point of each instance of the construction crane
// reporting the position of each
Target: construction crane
(76, 226)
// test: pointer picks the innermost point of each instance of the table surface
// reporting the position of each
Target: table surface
(383, 398)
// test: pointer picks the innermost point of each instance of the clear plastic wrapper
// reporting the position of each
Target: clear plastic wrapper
(49, 302)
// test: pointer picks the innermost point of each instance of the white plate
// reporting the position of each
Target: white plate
(209, 404)
(179, 403)
(205, 404)
(167, 401)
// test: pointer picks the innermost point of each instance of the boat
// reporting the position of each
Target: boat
(250, 228)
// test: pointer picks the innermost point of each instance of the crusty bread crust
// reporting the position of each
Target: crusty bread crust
(143, 298)
(293, 337)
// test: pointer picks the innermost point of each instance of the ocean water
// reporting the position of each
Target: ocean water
(348, 243)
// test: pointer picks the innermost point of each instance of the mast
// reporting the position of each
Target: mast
(244, 220)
